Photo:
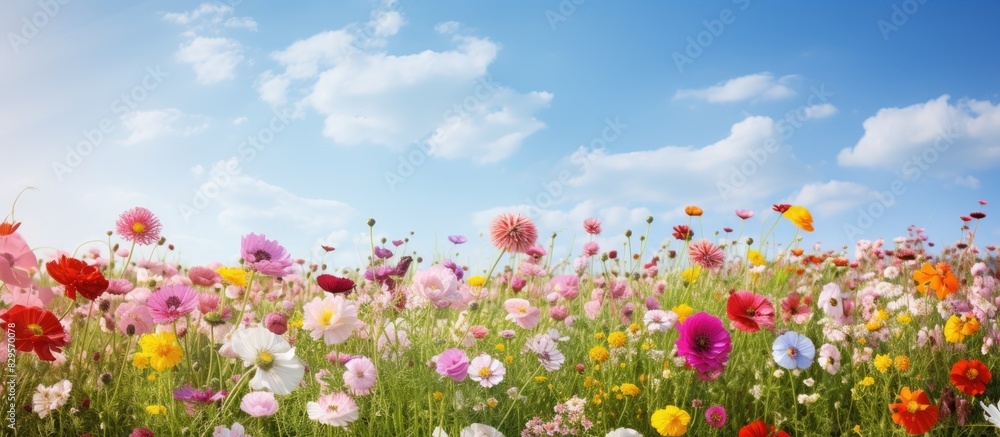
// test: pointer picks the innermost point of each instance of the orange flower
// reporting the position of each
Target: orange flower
(800, 217)
(914, 411)
(939, 278)
(693, 211)
(970, 376)
(797, 251)
(7, 228)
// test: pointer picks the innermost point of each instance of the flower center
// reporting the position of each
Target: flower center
(265, 360)
(173, 301)
(751, 312)
(325, 317)
(163, 349)
(333, 408)
(701, 343)
(138, 227)
(912, 406)
(8, 257)
(36, 329)
(833, 302)
(262, 255)
(971, 373)
(484, 372)
(716, 418)
(792, 352)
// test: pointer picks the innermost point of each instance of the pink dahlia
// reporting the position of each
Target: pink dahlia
(513, 232)
(592, 226)
(139, 226)
(706, 254)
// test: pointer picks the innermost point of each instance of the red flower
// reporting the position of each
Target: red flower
(780, 208)
(7, 228)
(334, 284)
(36, 329)
(970, 376)
(760, 429)
(683, 232)
(76, 275)
(978, 215)
(750, 311)
(914, 411)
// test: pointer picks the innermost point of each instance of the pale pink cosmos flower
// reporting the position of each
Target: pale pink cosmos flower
(360, 376)
(744, 213)
(333, 318)
(259, 404)
(521, 312)
(486, 370)
(336, 409)
(439, 285)
(453, 363)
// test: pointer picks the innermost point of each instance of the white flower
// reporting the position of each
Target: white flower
(623, 432)
(545, 348)
(757, 391)
(48, 399)
(486, 371)
(278, 370)
(480, 430)
(332, 318)
(659, 320)
(809, 382)
(992, 414)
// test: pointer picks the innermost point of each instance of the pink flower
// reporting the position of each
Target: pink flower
(486, 370)
(704, 343)
(204, 276)
(559, 312)
(513, 233)
(259, 404)
(138, 225)
(336, 409)
(333, 318)
(591, 248)
(706, 254)
(566, 285)
(750, 311)
(439, 285)
(716, 416)
(360, 375)
(521, 312)
(454, 364)
(592, 226)
(592, 309)
(265, 256)
(276, 323)
(137, 316)
(172, 302)
(743, 214)
(792, 308)
(16, 261)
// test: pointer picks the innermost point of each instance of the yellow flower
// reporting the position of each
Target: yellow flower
(630, 389)
(500, 347)
(140, 360)
(867, 381)
(296, 321)
(617, 339)
(691, 274)
(670, 421)
(682, 311)
(599, 353)
(634, 328)
(151, 377)
(902, 363)
(882, 362)
(882, 315)
(509, 359)
(162, 348)
(903, 319)
(756, 258)
(589, 381)
(800, 217)
(477, 281)
(857, 429)
(599, 336)
(438, 396)
(957, 328)
(156, 409)
(492, 402)
(233, 275)
(541, 378)
(874, 324)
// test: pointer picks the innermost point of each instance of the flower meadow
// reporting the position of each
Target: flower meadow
(716, 334)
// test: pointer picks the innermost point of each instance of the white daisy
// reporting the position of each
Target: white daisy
(278, 370)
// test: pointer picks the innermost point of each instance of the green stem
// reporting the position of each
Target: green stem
(127, 260)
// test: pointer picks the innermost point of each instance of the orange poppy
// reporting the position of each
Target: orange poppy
(7, 228)
(693, 211)
(840, 262)
(797, 251)
(970, 376)
(939, 278)
(914, 411)
(800, 216)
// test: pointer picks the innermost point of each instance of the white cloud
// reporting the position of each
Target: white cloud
(211, 16)
(241, 22)
(967, 181)
(239, 120)
(759, 86)
(937, 136)
(831, 197)
(213, 59)
(749, 164)
(145, 126)
(447, 28)
(370, 97)
(823, 110)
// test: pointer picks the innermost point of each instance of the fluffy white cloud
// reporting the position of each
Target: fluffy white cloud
(145, 126)
(823, 110)
(750, 163)
(369, 97)
(759, 86)
(831, 197)
(935, 136)
(213, 59)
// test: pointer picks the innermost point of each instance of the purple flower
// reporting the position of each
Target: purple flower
(457, 239)
(704, 343)
(397, 243)
(266, 256)
(454, 364)
(459, 273)
(382, 253)
(172, 302)
(403, 265)
(196, 396)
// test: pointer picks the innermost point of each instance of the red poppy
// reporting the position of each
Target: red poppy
(760, 429)
(7, 228)
(914, 411)
(970, 376)
(36, 329)
(780, 208)
(750, 311)
(334, 284)
(76, 275)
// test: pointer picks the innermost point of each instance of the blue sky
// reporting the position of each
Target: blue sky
(433, 118)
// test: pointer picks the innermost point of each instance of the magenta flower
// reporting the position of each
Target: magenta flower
(454, 364)
(139, 226)
(266, 256)
(704, 343)
(716, 416)
(172, 302)
(706, 254)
